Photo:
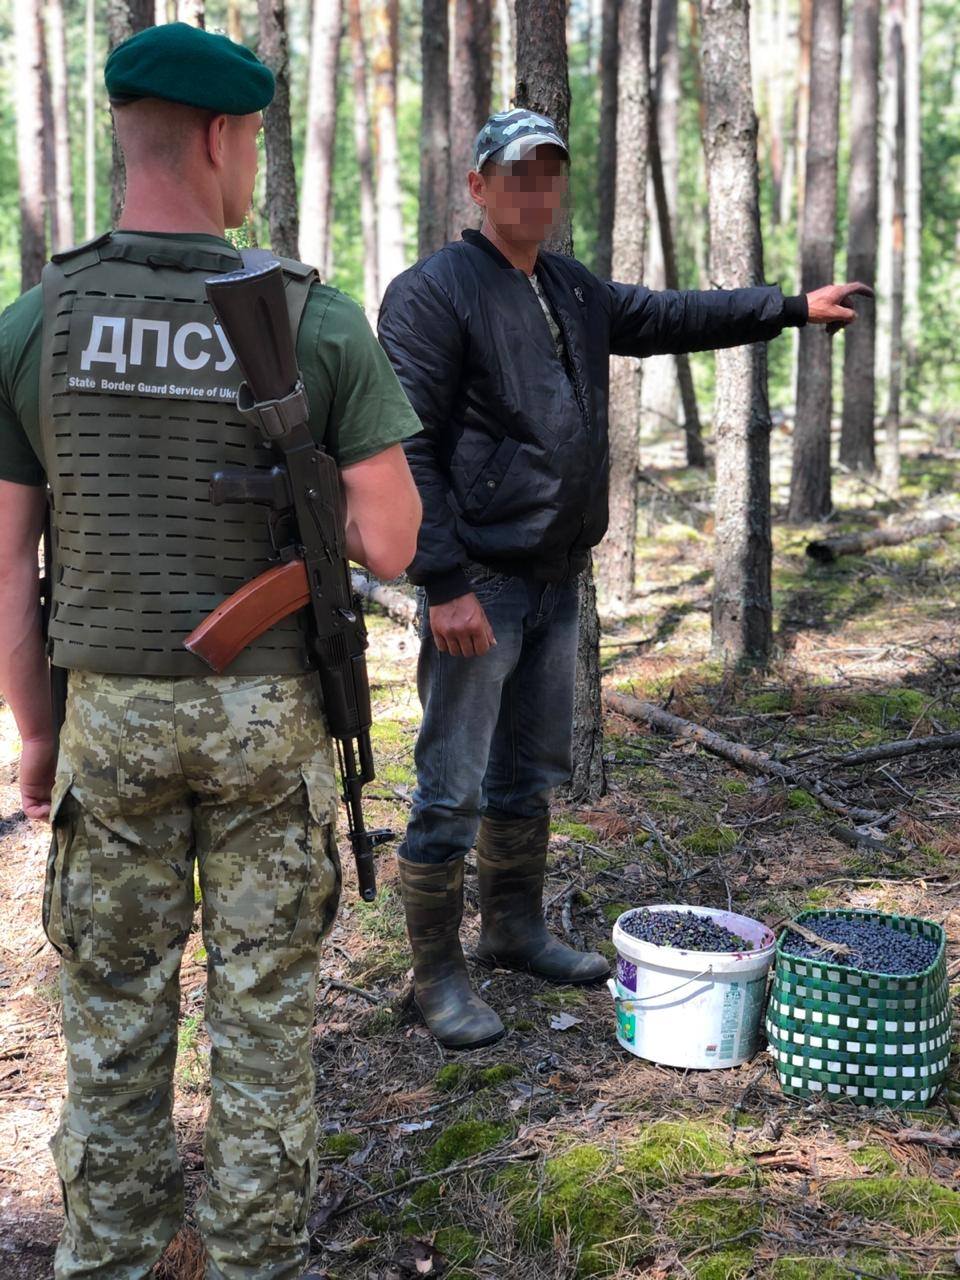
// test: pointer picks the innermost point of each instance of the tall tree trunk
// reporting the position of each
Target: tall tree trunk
(505, 44)
(361, 136)
(316, 192)
(607, 141)
(775, 104)
(616, 556)
(470, 90)
(29, 106)
(700, 231)
(390, 252)
(696, 454)
(49, 160)
(191, 11)
(234, 21)
(63, 173)
(803, 97)
(857, 448)
(281, 184)
(124, 19)
(742, 599)
(434, 219)
(913, 58)
(810, 474)
(543, 85)
(892, 238)
(89, 123)
(659, 387)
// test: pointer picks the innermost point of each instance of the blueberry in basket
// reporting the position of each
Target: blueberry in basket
(874, 947)
(682, 929)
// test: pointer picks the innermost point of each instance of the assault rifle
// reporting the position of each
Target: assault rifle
(306, 519)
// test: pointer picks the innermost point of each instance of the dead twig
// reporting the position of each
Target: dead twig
(826, 550)
(894, 750)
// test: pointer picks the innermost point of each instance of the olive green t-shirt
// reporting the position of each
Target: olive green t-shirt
(357, 406)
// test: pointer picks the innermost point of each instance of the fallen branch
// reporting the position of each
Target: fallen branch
(893, 750)
(826, 550)
(335, 984)
(949, 1138)
(735, 752)
(395, 603)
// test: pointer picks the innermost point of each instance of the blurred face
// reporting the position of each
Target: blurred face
(239, 140)
(524, 199)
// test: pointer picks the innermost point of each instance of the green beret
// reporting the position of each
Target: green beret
(180, 63)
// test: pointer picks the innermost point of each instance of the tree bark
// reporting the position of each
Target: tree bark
(63, 174)
(616, 556)
(506, 19)
(390, 251)
(470, 90)
(191, 11)
(435, 176)
(234, 21)
(895, 141)
(89, 132)
(827, 550)
(542, 85)
(361, 136)
(124, 19)
(607, 141)
(742, 599)
(281, 184)
(316, 191)
(913, 63)
(810, 497)
(28, 47)
(804, 63)
(857, 448)
(49, 159)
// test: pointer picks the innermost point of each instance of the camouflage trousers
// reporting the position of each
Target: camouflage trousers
(235, 775)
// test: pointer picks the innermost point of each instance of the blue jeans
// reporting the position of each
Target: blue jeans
(497, 729)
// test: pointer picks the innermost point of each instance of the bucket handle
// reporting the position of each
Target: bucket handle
(628, 1004)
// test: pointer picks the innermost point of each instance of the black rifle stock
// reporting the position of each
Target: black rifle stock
(306, 517)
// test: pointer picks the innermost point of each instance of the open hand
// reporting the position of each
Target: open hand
(827, 305)
(38, 764)
(460, 627)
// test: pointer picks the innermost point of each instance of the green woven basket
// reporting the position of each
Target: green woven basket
(876, 1039)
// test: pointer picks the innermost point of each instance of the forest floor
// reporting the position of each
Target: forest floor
(570, 1156)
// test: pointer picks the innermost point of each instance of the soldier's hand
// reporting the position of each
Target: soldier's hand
(828, 305)
(460, 627)
(38, 764)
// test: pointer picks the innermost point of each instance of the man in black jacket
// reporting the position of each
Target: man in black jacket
(503, 350)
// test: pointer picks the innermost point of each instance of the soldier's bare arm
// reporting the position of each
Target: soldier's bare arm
(24, 680)
(382, 512)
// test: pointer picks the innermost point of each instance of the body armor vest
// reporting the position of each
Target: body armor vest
(137, 411)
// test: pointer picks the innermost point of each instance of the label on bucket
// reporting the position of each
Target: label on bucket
(627, 973)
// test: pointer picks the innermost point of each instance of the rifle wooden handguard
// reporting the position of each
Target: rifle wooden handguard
(248, 613)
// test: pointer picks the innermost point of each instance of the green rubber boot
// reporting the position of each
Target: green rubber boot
(433, 902)
(511, 863)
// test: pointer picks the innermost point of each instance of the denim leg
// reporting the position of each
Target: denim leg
(461, 704)
(531, 748)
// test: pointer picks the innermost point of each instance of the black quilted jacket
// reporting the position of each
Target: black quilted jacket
(512, 463)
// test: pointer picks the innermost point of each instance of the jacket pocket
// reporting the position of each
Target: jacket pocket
(59, 887)
(296, 1176)
(321, 893)
(70, 1159)
(486, 484)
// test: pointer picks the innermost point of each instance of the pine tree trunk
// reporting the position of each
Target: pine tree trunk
(742, 599)
(124, 19)
(803, 98)
(810, 497)
(316, 192)
(857, 447)
(281, 183)
(191, 11)
(28, 99)
(63, 172)
(89, 122)
(435, 175)
(234, 21)
(52, 231)
(506, 61)
(913, 62)
(607, 141)
(361, 135)
(895, 78)
(390, 252)
(616, 556)
(470, 89)
(542, 85)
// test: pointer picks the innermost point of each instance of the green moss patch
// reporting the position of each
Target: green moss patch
(860, 1264)
(673, 1149)
(340, 1144)
(712, 1220)
(708, 840)
(457, 1075)
(462, 1140)
(920, 1206)
(728, 1264)
(877, 1160)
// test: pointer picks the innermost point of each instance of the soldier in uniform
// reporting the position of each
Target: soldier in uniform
(117, 391)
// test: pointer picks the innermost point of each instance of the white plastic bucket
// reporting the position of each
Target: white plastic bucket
(698, 1009)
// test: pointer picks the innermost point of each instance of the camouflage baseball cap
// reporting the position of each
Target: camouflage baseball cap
(510, 135)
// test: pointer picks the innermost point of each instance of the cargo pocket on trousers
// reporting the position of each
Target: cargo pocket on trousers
(295, 1182)
(56, 913)
(70, 1159)
(322, 893)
